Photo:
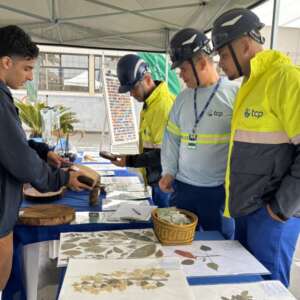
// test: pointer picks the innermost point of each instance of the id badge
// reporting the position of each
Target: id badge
(192, 143)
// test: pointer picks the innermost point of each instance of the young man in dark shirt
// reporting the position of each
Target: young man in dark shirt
(20, 162)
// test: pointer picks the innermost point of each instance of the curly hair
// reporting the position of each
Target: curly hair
(16, 42)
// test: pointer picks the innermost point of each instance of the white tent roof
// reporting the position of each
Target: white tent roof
(115, 24)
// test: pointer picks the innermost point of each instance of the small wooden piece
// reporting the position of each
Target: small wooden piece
(46, 214)
(95, 177)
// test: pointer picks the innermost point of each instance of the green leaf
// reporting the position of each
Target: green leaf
(137, 236)
(117, 250)
(143, 251)
(205, 248)
(213, 266)
(188, 262)
(159, 253)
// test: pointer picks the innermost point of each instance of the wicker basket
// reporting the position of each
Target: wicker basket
(173, 234)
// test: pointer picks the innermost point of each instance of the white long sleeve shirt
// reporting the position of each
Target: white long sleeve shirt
(204, 163)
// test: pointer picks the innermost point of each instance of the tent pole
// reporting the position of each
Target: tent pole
(167, 39)
(275, 21)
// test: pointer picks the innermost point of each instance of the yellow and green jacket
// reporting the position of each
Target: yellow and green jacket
(153, 120)
(264, 153)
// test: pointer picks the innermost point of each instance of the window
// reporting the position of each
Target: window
(64, 72)
(110, 65)
(288, 35)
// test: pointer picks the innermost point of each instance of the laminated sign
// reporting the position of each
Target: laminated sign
(120, 110)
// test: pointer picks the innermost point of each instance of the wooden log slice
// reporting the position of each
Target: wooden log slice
(46, 214)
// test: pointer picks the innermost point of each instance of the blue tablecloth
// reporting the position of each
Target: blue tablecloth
(24, 234)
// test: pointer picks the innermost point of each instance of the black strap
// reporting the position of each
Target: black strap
(195, 72)
(236, 62)
(199, 117)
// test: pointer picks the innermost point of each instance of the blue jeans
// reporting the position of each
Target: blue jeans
(271, 242)
(160, 198)
(207, 203)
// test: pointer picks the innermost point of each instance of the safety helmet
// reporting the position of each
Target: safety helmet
(234, 24)
(130, 69)
(185, 44)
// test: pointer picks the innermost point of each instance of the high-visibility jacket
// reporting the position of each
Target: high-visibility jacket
(264, 153)
(153, 120)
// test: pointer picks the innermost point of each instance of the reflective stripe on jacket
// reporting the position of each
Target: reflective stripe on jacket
(153, 119)
(203, 164)
(264, 153)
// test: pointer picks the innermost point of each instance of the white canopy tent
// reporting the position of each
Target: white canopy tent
(113, 24)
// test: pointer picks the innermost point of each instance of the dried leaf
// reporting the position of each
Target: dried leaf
(205, 248)
(137, 236)
(159, 253)
(213, 266)
(95, 249)
(73, 240)
(95, 241)
(159, 284)
(185, 254)
(86, 244)
(67, 246)
(72, 252)
(117, 250)
(143, 251)
(188, 262)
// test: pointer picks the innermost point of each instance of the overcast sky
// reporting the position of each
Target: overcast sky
(289, 13)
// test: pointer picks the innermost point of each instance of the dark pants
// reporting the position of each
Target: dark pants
(272, 243)
(160, 198)
(207, 203)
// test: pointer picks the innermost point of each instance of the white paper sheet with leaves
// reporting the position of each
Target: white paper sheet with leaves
(127, 187)
(120, 179)
(106, 173)
(215, 258)
(104, 167)
(121, 195)
(86, 217)
(108, 204)
(132, 212)
(116, 244)
(262, 290)
(146, 279)
(93, 156)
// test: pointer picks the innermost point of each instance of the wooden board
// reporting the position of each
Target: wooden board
(46, 214)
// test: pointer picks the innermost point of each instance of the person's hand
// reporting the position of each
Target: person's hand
(272, 215)
(75, 184)
(165, 183)
(55, 160)
(120, 161)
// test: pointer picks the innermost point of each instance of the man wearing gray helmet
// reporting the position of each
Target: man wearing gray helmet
(194, 150)
(263, 171)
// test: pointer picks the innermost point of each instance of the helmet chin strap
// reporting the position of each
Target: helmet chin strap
(236, 62)
(195, 72)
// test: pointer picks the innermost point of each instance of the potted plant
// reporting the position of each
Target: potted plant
(30, 114)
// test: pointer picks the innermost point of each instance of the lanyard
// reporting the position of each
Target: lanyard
(199, 117)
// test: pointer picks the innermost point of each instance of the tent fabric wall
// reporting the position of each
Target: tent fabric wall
(140, 25)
